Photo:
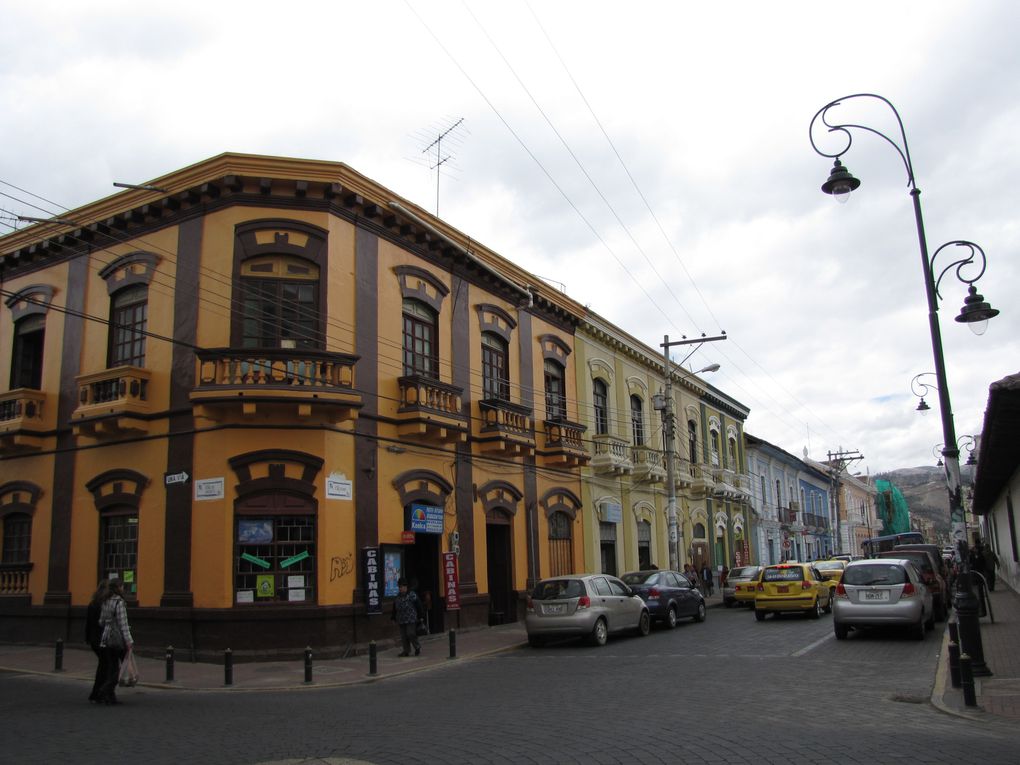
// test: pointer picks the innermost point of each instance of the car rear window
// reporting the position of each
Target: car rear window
(875, 574)
(641, 577)
(829, 565)
(920, 559)
(744, 572)
(784, 574)
(558, 589)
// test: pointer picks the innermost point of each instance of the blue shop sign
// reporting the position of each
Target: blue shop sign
(426, 519)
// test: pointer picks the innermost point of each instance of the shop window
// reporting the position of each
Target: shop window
(421, 347)
(17, 546)
(129, 309)
(280, 303)
(561, 545)
(495, 369)
(26, 362)
(118, 547)
(555, 391)
(275, 559)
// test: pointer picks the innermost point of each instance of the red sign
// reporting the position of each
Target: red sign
(407, 537)
(452, 579)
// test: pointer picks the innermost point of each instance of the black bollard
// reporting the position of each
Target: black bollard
(954, 664)
(308, 664)
(58, 657)
(169, 663)
(967, 680)
(954, 633)
(373, 665)
(453, 644)
(228, 667)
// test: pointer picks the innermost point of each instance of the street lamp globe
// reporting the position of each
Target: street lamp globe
(840, 183)
(976, 312)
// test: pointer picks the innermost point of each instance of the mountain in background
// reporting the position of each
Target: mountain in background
(924, 488)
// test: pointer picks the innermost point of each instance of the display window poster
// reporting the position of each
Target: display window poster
(265, 586)
(255, 531)
(393, 568)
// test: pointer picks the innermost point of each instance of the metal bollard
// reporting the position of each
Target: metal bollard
(954, 633)
(373, 663)
(308, 664)
(453, 644)
(169, 663)
(58, 657)
(954, 664)
(228, 667)
(967, 680)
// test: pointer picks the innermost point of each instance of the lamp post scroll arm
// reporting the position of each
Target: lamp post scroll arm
(960, 264)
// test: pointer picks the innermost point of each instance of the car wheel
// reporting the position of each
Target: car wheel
(841, 630)
(816, 609)
(918, 630)
(600, 633)
(759, 615)
(535, 641)
(671, 617)
(644, 624)
(828, 606)
(728, 604)
(699, 615)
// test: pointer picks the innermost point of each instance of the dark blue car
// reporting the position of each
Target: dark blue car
(669, 595)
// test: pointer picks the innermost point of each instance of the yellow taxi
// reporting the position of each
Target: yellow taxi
(832, 570)
(792, 587)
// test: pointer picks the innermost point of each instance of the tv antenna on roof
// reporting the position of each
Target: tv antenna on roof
(434, 152)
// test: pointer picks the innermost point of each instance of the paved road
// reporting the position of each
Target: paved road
(730, 690)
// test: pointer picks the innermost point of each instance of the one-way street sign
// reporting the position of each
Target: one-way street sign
(172, 478)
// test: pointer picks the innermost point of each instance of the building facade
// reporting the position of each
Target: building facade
(261, 393)
(624, 491)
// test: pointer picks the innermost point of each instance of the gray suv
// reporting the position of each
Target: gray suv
(591, 606)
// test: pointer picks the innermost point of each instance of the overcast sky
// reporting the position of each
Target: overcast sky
(651, 159)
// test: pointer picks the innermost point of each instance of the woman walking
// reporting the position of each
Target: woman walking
(406, 612)
(116, 640)
(94, 635)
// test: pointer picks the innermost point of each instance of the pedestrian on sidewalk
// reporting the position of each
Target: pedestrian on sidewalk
(94, 635)
(706, 579)
(406, 612)
(991, 562)
(116, 640)
(692, 575)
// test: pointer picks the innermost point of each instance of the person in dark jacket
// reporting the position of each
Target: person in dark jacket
(706, 580)
(94, 635)
(406, 612)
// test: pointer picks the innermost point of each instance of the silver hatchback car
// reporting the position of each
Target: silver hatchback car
(584, 605)
(882, 592)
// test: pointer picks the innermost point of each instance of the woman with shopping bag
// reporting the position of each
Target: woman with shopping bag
(116, 641)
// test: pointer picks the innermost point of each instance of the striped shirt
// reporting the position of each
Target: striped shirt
(115, 616)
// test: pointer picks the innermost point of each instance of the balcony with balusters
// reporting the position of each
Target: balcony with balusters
(611, 455)
(21, 421)
(113, 402)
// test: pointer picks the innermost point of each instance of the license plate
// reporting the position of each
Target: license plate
(875, 595)
(555, 609)
(784, 588)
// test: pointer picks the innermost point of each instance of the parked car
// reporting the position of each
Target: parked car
(796, 587)
(584, 605)
(946, 568)
(669, 595)
(741, 585)
(882, 592)
(930, 575)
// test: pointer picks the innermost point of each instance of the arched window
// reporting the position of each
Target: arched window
(637, 420)
(129, 309)
(733, 453)
(561, 549)
(714, 439)
(26, 362)
(601, 401)
(495, 367)
(17, 529)
(692, 441)
(421, 336)
(644, 545)
(279, 303)
(555, 391)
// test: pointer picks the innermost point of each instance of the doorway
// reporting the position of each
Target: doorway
(421, 568)
(499, 567)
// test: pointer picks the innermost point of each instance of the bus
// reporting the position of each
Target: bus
(873, 546)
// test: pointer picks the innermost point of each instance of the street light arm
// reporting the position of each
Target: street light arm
(921, 389)
(822, 115)
(959, 264)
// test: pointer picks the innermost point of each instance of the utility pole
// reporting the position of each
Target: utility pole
(837, 462)
(668, 422)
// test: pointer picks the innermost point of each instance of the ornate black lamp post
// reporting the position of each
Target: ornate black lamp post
(921, 389)
(840, 184)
